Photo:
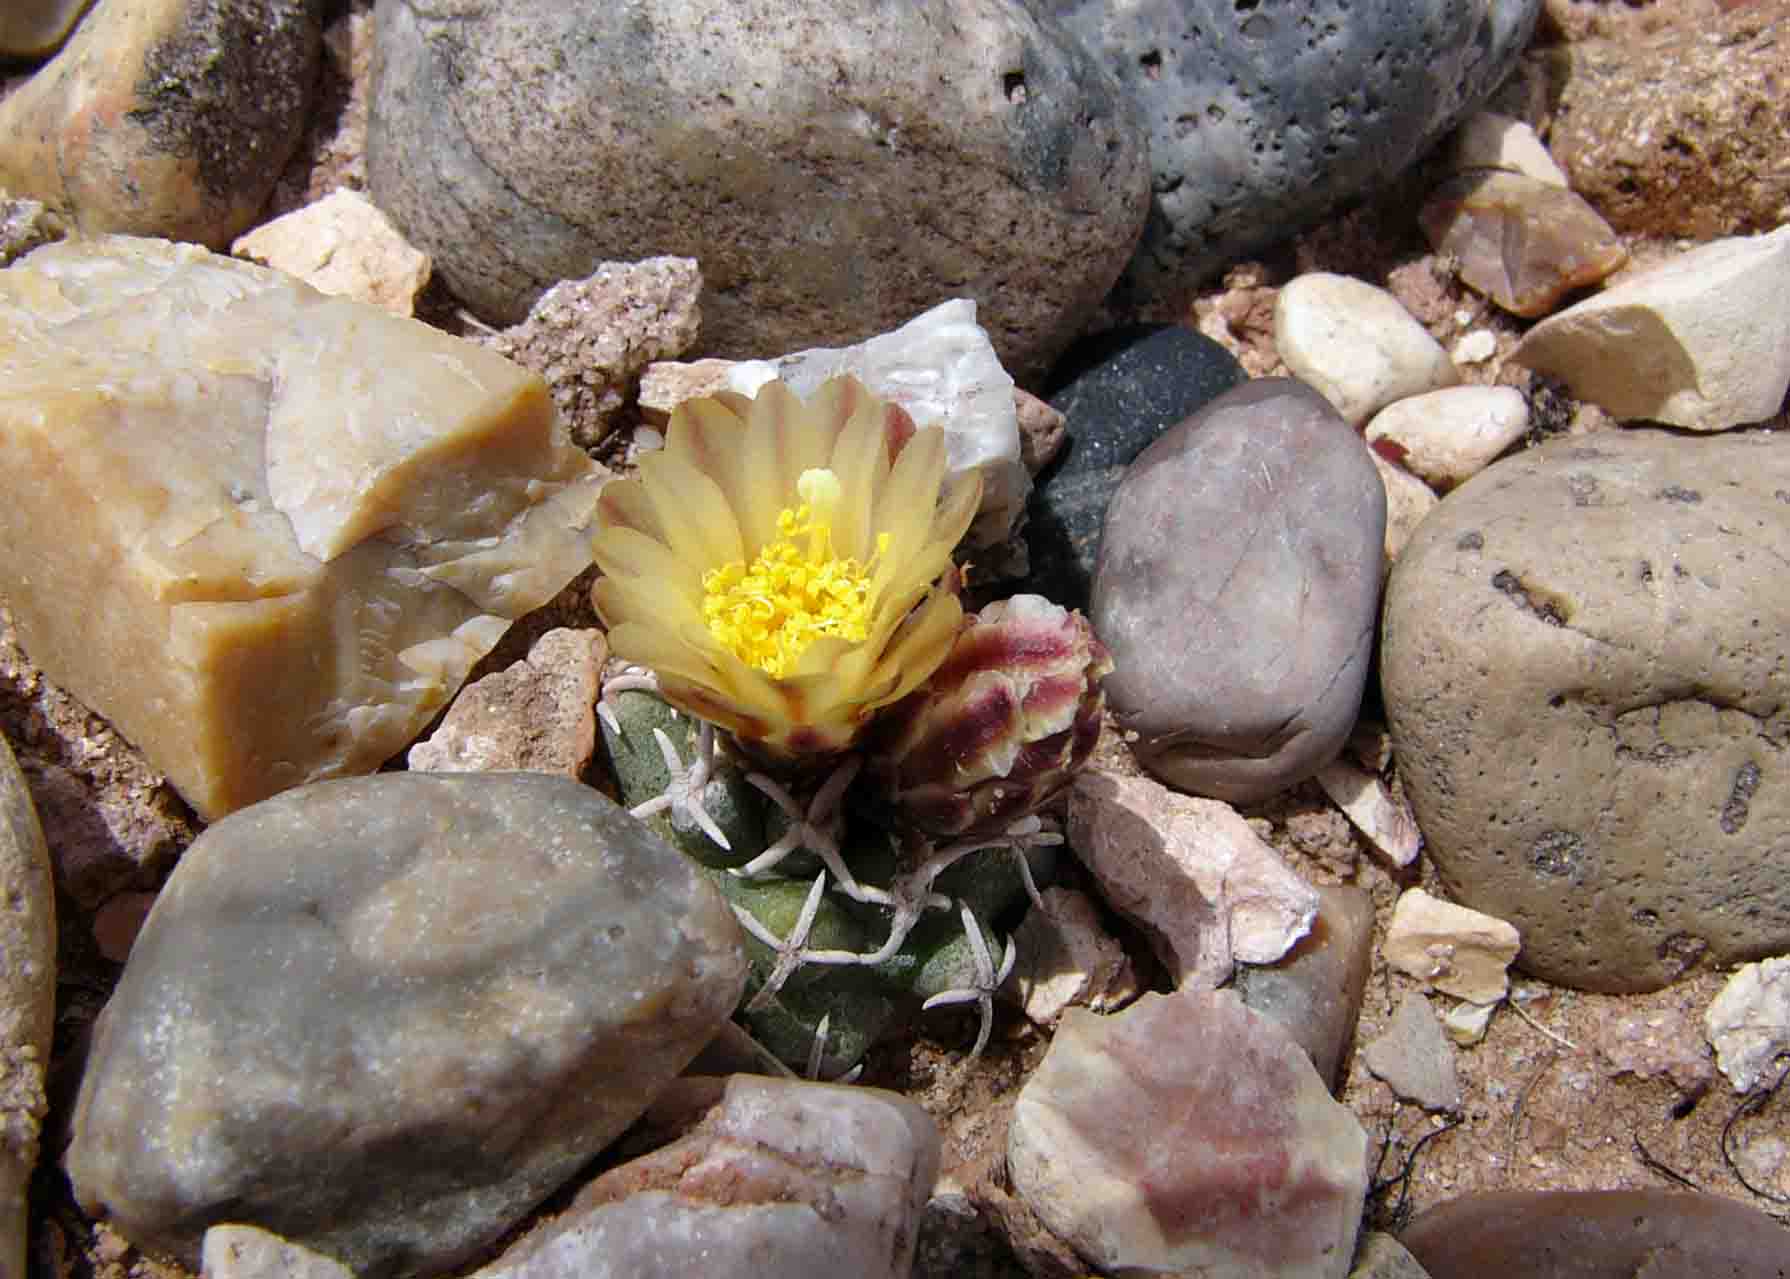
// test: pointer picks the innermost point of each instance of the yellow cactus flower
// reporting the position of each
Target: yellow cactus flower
(784, 567)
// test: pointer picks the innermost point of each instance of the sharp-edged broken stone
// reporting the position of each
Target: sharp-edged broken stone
(1458, 951)
(344, 246)
(1205, 887)
(1386, 821)
(1748, 1023)
(1066, 957)
(1701, 342)
(537, 716)
(1188, 1135)
(1523, 242)
(1414, 1057)
(266, 533)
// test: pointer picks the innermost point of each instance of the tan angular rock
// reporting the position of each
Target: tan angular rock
(1456, 950)
(264, 532)
(1490, 140)
(1522, 242)
(1386, 821)
(1700, 342)
(344, 246)
(27, 1001)
(538, 716)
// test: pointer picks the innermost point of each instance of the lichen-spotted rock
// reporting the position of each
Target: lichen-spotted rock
(1586, 665)
(383, 1017)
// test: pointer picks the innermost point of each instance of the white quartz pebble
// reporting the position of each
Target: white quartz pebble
(1447, 436)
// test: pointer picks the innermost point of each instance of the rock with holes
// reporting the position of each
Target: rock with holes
(1586, 666)
(383, 1017)
(838, 167)
(1264, 117)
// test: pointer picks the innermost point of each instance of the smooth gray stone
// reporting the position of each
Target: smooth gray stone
(1237, 590)
(1315, 992)
(383, 1017)
(838, 166)
(27, 1000)
(779, 1177)
(1585, 660)
(1264, 118)
(1414, 1057)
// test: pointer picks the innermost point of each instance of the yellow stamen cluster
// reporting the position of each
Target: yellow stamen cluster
(769, 612)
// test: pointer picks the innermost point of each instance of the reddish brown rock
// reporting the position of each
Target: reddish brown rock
(1522, 242)
(1681, 132)
(1598, 1234)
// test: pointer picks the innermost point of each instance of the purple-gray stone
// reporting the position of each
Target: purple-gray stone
(1598, 1234)
(1237, 588)
(383, 1017)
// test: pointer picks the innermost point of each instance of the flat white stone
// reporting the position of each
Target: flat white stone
(1701, 342)
(1448, 436)
(1475, 348)
(1205, 887)
(1748, 1023)
(941, 367)
(1356, 345)
(1458, 951)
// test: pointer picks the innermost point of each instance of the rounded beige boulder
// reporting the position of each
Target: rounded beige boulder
(1586, 666)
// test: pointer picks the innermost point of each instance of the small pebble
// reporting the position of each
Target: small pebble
(1456, 950)
(1448, 436)
(1415, 1058)
(1356, 345)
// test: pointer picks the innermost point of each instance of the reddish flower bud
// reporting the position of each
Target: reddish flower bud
(1001, 726)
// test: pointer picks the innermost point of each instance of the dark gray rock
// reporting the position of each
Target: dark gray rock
(836, 167)
(1264, 117)
(1237, 586)
(1586, 667)
(383, 1017)
(776, 1177)
(1118, 392)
